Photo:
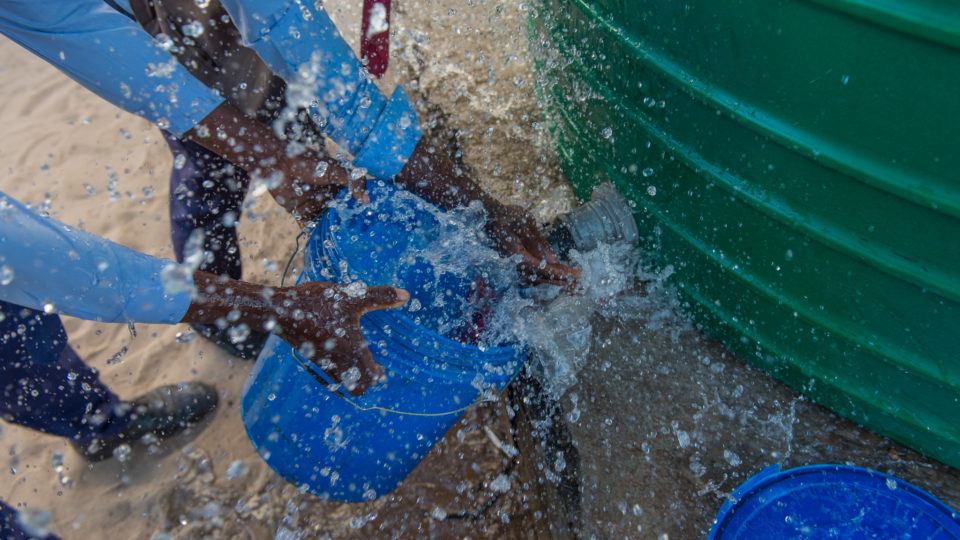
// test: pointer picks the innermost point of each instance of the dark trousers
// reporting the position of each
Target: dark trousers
(10, 529)
(206, 192)
(44, 385)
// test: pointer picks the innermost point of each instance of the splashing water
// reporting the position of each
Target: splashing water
(473, 294)
(378, 20)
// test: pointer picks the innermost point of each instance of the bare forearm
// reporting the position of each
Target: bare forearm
(431, 174)
(221, 298)
(320, 314)
(253, 146)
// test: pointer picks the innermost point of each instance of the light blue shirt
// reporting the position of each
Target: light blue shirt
(86, 276)
(44, 262)
(294, 37)
(109, 54)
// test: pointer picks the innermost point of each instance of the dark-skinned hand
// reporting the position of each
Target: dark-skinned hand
(324, 319)
(431, 174)
(321, 320)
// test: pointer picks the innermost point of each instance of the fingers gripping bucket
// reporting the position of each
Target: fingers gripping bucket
(351, 448)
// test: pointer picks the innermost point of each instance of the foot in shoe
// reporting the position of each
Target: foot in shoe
(161, 412)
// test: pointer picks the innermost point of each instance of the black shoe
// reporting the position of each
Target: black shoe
(247, 349)
(161, 412)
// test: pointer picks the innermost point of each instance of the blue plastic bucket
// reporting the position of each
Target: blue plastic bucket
(832, 501)
(350, 448)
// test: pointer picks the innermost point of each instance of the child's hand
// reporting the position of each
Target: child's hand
(515, 232)
(322, 320)
(431, 174)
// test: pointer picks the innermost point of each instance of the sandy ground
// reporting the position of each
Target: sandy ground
(59, 139)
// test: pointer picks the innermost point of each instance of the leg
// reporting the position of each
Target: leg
(206, 193)
(45, 386)
(10, 528)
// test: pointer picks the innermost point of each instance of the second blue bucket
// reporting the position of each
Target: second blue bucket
(351, 448)
(832, 501)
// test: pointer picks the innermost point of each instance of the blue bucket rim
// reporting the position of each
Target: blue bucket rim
(461, 357)
(761, 482)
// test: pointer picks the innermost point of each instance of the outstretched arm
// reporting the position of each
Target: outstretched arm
(302, 45)
(49, 266)
(322, 320)
(110, 54)
(431, 174)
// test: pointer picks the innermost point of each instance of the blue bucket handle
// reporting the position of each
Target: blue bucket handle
(335, 388)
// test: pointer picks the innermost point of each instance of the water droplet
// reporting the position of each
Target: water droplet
(501, 483)
(177, 278)
(122, 453)
(164, 42)
(357, 289)
(56, 461)
(6, 275)
(237, 469)
(34, 522)
(648, 172)
(193, 29)
(307, 350)
(732, 458)
(321, 169)
(239, 333)
(268, 265)
(378, 20)
(350, 378)
(607, 132)
(652, 191)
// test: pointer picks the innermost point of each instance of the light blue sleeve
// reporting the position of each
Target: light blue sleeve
(301, 44)
(45, 262)
(109, 54)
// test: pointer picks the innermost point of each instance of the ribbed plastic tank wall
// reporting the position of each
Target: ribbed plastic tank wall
(798, 162)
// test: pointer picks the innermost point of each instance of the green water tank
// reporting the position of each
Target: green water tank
(798, 163)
